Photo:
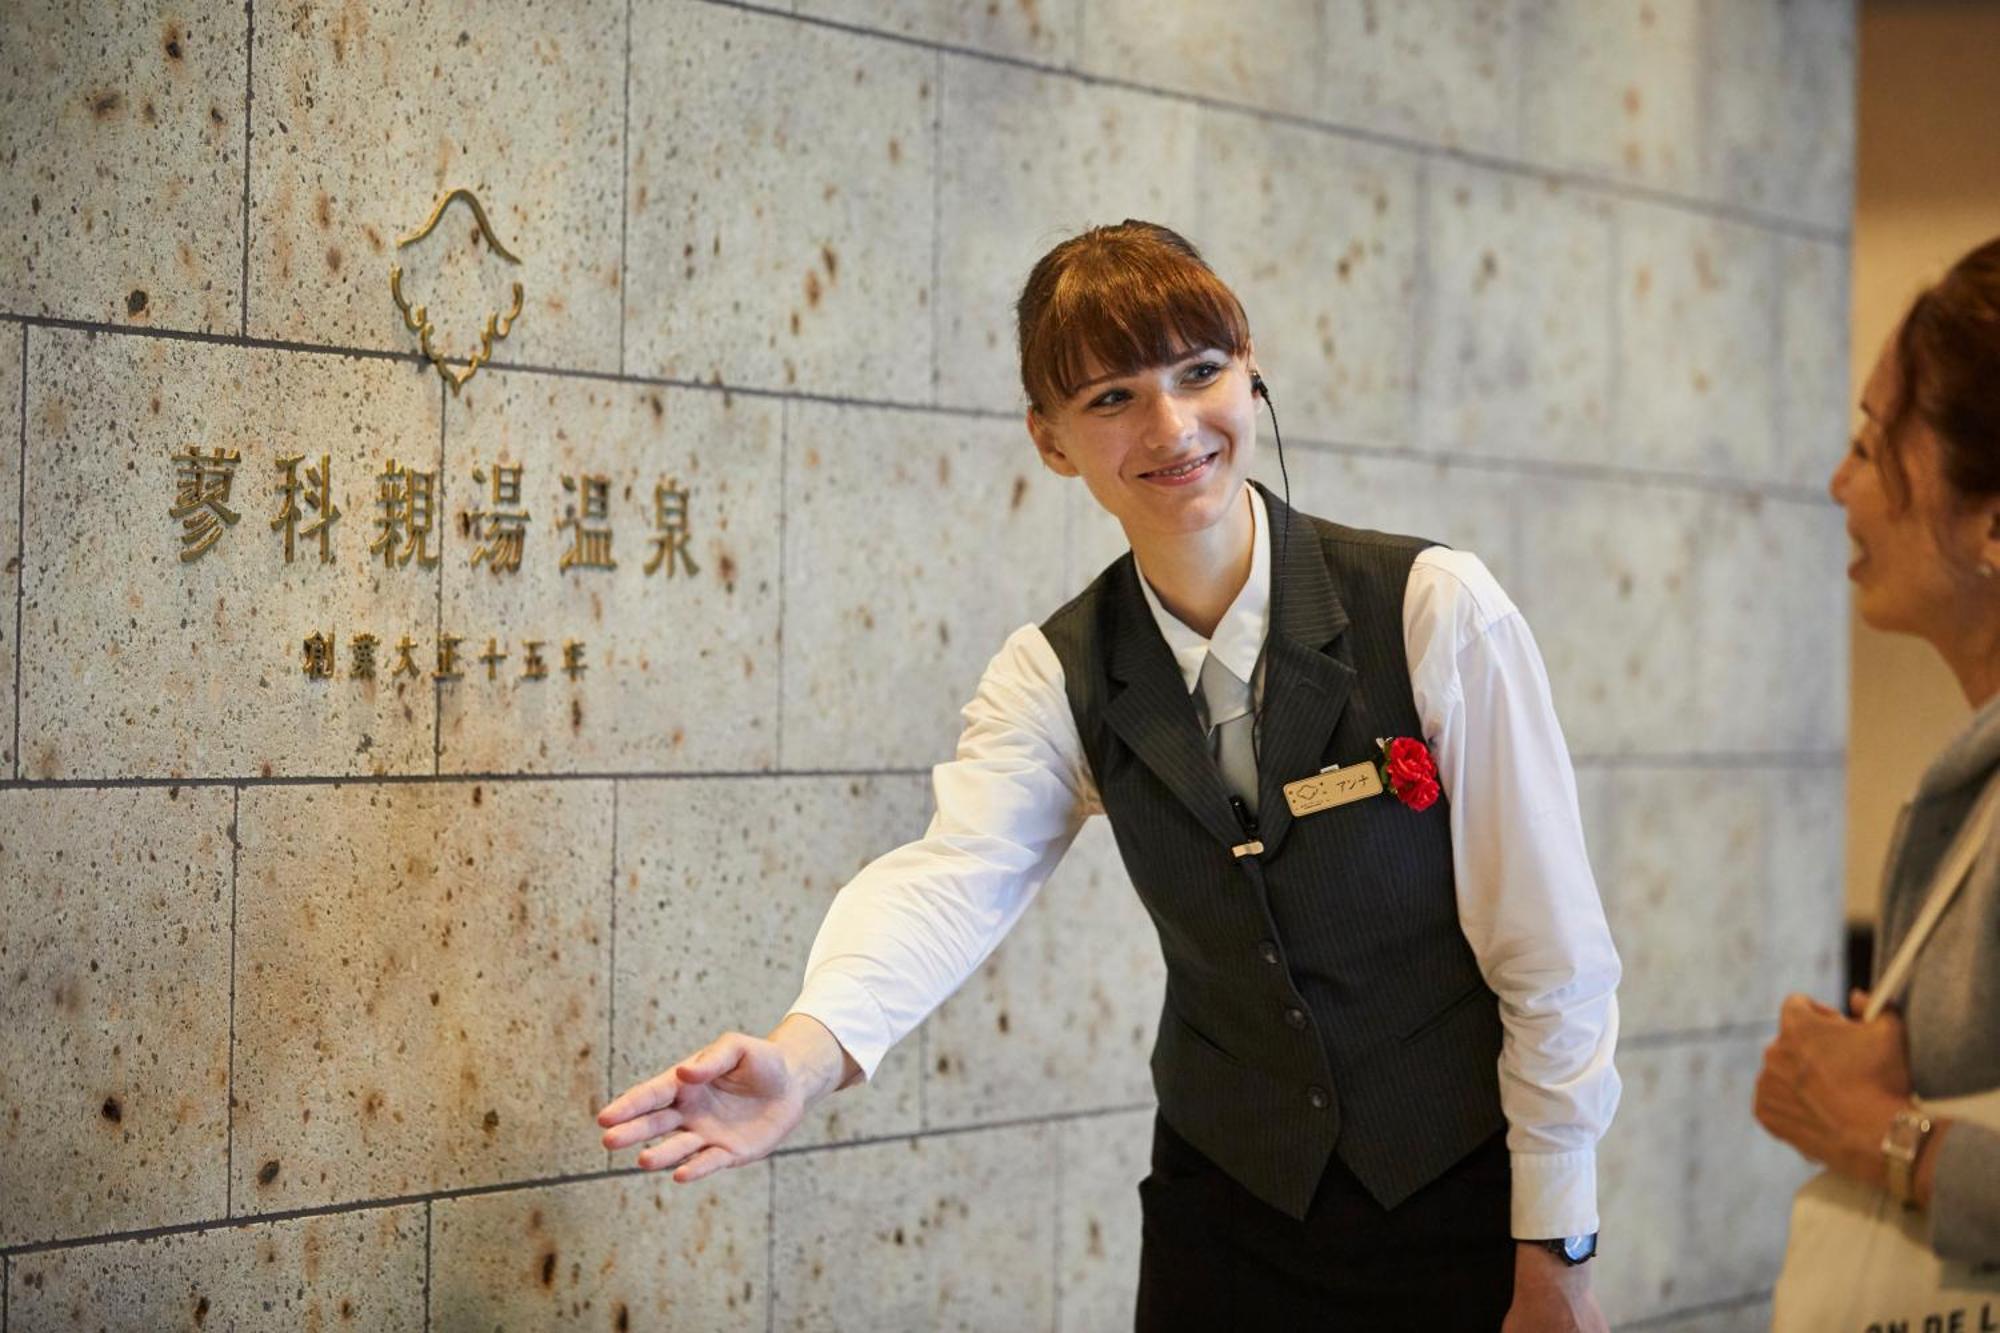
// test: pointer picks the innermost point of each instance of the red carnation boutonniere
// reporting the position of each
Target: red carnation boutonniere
(1408, 771)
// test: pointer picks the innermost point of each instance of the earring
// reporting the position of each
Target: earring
(1985, 569)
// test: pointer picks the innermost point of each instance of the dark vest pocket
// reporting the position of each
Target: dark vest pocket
(1178, 1032)
(1473, 993)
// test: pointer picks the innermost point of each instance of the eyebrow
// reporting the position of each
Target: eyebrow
(1121, 374)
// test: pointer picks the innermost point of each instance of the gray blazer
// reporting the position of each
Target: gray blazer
(1953, 1005)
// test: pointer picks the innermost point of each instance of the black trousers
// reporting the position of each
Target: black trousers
(1213, 1256)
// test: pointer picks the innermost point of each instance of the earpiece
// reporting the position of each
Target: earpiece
(1263, 390)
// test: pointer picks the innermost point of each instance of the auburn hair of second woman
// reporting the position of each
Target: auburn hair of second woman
(1947, 356)
(1117, 299)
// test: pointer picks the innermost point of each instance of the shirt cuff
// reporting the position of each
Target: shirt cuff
(1555, 1194)
(844, 1007)
(1965, 1195)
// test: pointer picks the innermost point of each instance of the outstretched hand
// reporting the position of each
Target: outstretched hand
(730, 1103)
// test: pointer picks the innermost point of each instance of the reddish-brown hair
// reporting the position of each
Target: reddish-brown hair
(1119, 299)
(1947, 356)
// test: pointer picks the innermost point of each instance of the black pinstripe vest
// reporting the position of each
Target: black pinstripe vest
(1321, 997)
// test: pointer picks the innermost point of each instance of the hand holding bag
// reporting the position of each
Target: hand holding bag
(1857, 1259)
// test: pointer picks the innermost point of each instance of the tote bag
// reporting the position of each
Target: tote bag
(1857, 1259)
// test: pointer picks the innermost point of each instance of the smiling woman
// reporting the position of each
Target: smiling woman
(1385, 1051)
(1920, 485)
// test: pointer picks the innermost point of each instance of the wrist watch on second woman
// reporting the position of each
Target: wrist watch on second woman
(1901, 1147)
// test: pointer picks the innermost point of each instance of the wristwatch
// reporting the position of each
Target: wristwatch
(1900, 1148)
(1572, 1250)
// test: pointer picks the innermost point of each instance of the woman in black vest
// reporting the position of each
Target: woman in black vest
(1335, 777)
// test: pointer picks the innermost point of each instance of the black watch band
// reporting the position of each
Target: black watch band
(1572, 1250)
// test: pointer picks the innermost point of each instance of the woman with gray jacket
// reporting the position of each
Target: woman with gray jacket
(1921, 489)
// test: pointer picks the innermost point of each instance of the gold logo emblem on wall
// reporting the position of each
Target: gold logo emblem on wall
(418, 320)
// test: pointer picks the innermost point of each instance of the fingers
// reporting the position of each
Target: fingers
(640, 1098)
(1857, 1001)
(638, 1130)
(671, 1151)
(704, 1163)
(713, 1060)
(1776, 1106)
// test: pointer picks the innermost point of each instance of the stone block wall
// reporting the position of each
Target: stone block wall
(313, 978)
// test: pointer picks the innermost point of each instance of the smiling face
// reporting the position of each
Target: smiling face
(1918, 546)
(1164, 449)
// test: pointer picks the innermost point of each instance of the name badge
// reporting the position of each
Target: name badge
(1334, 786)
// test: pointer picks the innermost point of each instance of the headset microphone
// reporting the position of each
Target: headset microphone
(1263, 390)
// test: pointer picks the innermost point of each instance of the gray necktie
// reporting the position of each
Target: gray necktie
(1226, 705)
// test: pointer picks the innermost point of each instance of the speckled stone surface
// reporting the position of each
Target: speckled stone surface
(1263, 53)
(910, 538)
(114, 975)
(1721, 891)
(1097, 1225)
(366, 117)
(421, 988)
(11, 336)
(1439, 71)
(680, 665)
(721, 889)
(1466, 508)
(136, 662)
(1516, 340)
(779, 204)
(1615, 90)
(361, 1270)
(1318, 237)
(1610, 580)
(1062, 1016)
(1805, 908)
(1030, 159)
(1815, 404)
(951, 1231)
(1042, 31)
(1677, 621)
(1772, 673)
(1697, 325)
(1744, 104)
(1698, 1190)
(633, 1252)
(1779, 108)
(121, 127)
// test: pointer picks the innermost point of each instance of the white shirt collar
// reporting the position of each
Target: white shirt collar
(1239, 638)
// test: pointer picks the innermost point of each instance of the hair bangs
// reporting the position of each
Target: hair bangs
(1116, 302)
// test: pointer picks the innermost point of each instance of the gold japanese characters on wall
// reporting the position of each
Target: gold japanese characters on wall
(404, 530)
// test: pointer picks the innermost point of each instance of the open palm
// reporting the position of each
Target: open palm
(730, 1103)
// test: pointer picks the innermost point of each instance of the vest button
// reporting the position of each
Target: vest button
(1295, 1017)
(1317, 1099)
(1268, 950)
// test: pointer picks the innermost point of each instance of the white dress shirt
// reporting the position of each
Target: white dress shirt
(903, 935)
